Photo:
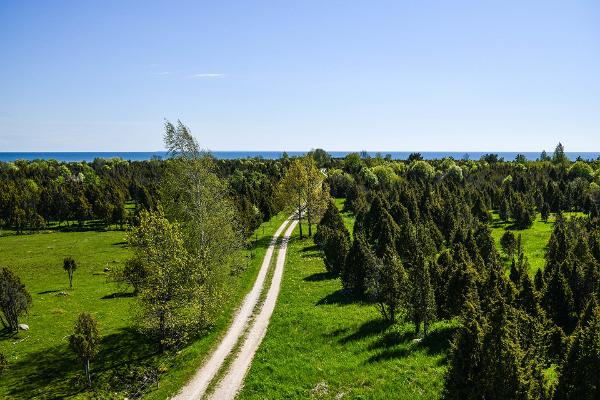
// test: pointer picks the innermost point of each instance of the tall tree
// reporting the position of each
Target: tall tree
(579, 378)
(198, 201)
(15, 300)
(69, 265)
(170, 294)
(85, 341)
(388, 285)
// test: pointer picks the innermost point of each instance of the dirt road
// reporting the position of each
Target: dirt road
(196, 387)
(232, 382)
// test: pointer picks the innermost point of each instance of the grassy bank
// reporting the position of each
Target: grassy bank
(322, 344)
(40, 363)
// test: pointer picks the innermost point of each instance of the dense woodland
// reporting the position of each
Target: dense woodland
(421, 249)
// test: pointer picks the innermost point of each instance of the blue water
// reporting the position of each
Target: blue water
(147, 155)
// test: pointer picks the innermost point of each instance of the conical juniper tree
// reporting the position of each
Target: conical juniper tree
(358, 261)
(422, 297)
(465, 374)
(388, 285)
(579, 378)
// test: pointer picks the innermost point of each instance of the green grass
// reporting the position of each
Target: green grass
(534, 239)
(322, 344)
(40, 363)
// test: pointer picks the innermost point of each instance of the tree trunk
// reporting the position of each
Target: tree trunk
(300, 219)
(308, 220)
(86, 368)
(70, 280)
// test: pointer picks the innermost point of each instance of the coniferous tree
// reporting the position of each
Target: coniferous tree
(422, 297)
(388, 285)
(579, 378)
(358, 261)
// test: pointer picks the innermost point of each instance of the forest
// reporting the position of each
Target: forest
(421, 250)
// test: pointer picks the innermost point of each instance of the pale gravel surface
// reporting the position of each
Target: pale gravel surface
(197, 386)
(233, 380)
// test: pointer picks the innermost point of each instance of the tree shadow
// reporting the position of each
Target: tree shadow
(118, 295)
(6, 333)
(320, 276)
(403, 344)
(367, 329)
(49, 291)
(310, 248)
(340, 297)
(55, 373)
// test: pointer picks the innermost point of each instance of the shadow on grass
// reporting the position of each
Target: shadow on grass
(261, 243)
(49, 291)
(402, 344)
(311, 248)
(6, 333)
(368, 329)
(118, 295)
(55, 373)
(320, 276)
(340, 297)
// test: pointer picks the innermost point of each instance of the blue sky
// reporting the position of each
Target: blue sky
(283, 75)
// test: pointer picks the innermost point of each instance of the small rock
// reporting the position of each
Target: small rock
(24, 327)
(106, 269)
(320, 390)
(62, 294)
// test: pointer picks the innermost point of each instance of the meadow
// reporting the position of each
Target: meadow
(323, 344)
(41, 365)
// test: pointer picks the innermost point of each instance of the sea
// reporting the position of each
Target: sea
(147, 155)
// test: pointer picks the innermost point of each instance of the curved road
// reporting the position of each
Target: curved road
(197, 386)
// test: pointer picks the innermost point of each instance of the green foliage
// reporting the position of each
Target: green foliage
(579, 378)
(333, 238)
(422, 298)
(171, 295)
(69, 265)
(85, 341)
(15, 300)
(388, 285)
(3, 363)
(508, 241)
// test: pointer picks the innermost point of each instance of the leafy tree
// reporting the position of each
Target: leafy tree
(85, 341)
(293, 190)
(170, 294)
(321, 157)
(15, 300)
(204, 217)
(69, 265)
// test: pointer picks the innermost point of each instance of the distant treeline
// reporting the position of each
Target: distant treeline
(35, 194)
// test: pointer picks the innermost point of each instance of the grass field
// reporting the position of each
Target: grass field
(534, 239)
(40, 363)
(321, 344)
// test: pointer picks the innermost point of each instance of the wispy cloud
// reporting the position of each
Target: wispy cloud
(203, 76)
(163, 73)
